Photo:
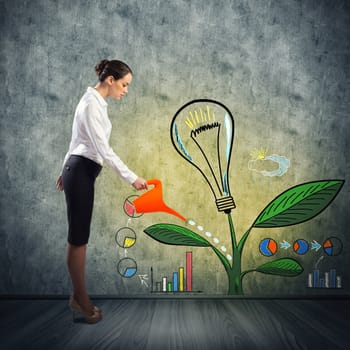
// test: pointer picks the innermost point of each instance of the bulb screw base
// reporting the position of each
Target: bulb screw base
(225, 204)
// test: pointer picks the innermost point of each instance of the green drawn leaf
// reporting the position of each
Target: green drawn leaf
(283, 267)
(175, 235)
(299, 204)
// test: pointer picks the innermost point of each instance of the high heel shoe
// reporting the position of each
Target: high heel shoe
(71, 299)
(95, 317)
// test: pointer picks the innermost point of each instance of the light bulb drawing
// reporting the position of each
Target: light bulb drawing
(202, 132)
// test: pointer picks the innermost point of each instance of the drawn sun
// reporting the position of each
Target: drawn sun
(259, 153)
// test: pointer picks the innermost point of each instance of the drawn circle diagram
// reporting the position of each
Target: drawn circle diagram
(127, 267)
(300, 246)
(332, 246)
(268, 247)
(129, 207)
(125, 237)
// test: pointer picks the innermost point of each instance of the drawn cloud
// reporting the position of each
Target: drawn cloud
(258, 165)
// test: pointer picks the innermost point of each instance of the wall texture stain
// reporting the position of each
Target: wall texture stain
(281, 67)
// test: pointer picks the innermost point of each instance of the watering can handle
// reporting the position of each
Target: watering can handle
(154, 182)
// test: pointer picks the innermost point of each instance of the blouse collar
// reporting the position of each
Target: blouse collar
(100, 99)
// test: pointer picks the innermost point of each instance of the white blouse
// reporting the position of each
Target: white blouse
(91, 132)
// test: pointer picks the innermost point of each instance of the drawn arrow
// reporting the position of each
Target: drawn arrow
(318, 261)
(315, 245)
(285, 245)
(143, 279)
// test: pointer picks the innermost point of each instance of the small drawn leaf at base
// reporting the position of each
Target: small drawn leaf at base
(283, 267)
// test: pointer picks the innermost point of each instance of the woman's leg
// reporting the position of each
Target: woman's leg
(78, 179)
(76, 256)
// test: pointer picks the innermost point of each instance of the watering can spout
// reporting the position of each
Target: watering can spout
(152, 201)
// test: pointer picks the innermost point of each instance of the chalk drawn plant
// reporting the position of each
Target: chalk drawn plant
(207, 145)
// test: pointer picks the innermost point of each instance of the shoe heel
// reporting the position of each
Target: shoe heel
(94, 318)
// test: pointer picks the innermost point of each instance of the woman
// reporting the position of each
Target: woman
(89, 148)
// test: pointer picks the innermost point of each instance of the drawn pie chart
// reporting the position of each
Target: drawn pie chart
(332, 246)
(268, 247)
(300, 246)
(127, 267)
(129, 207)
(125, 237)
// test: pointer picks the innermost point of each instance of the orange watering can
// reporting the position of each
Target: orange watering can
(152, 201)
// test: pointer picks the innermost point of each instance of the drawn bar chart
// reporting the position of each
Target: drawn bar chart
(189, 271)
(328, 280)
(180, 280)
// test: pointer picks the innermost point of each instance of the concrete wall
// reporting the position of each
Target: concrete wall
(281, 67)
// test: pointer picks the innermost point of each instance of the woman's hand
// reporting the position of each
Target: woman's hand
(140, 184)
(59, 184)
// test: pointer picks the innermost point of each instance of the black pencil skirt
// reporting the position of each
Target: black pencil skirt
(78, 179)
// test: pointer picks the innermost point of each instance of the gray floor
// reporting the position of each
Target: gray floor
(160, 324)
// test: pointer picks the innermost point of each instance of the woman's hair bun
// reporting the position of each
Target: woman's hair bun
(115, 68)
(99, 68)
